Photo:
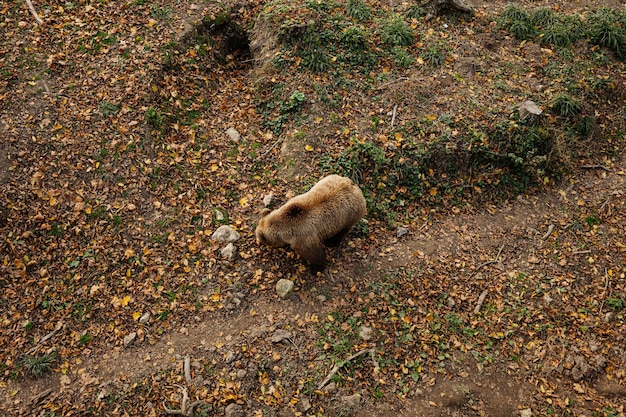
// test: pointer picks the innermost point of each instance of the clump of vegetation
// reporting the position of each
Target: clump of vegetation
(607, 28)
(396, 32)
(564, 105)
(37, 365)
(358, 9)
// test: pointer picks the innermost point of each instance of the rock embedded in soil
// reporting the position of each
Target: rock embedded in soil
(129, 339)
(225, 234)
(401, 231)
(228, 252)
(280, 335)
(230, 357)
(268, 199)
(527, 412)
(352, 401)
(366, 333)
(233, 134)
(145, 317)
(234, 410)
(284, 287)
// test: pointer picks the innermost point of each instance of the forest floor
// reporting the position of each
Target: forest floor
(116, 169)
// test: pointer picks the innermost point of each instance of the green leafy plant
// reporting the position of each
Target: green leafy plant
(565, 105)
(108, 109)
(396, 32)
(358, 9)
(37, 365)
(154, 117)
(606, 29)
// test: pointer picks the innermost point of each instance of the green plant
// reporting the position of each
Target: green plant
(566, 106)
(401, 58)
(315, 58)
(354, 38)
(154, 117)
(616, 303)
(108, 109)
(415, 12)
(396, 32)
(37, 365)
(85, 339)
(435, 56)
(358, 9)
(606, 29)
(543, 17)
(557, 34)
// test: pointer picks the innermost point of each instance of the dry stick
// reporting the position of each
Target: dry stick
(43, 339)
(187, 369)
(581, 252)
(183, 403)
(34, 12)
(548, 233)
(481, 300)
(40, 396)
(270, 149)
(393, 116)
(606, 285)
(388, 83)
(489, 262)
(596, 167)
(338, 366)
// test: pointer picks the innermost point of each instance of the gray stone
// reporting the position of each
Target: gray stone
(228, 252)
(352, 401)
(145, 317)
(526, 413)
(241, 373)
(129, 339)
(230, 357)
(529, 108)
(366, 333)
(450, 302)
(233, 134)
(234, 410)
(305, 404)
(284, 287)
(280, 335)
(268, 199)
(401, 231)
(225, 234)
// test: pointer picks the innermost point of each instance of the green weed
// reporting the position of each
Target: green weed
(396, 32)
(566, 106)
(37, 365)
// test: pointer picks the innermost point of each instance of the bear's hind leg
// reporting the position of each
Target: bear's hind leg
(315, 255)
(336, 239)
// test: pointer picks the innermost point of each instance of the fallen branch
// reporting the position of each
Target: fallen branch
(481, 300)
(548, 233)
(488, 262)
(43, 394)
(185, 410)
(596, 167)
(46, 337)
(34, 12)
(393, 116)
(339, 365)
(187, 369)
(270, 148)
(581, 252)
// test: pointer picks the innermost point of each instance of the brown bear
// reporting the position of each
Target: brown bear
(322, 216)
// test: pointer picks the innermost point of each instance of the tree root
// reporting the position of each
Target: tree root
(339, 365)
(185, 408)
(436, 7)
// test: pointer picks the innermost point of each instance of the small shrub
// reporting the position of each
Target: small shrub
(606, 29)
(354, 38)
(435, 56)
(522, 30)
(358, 9)
(543, 17)
(108, 109)
(154, 117)
(566, 106)
(401, 58)
(512, 13)
(37, 365)
(557, 34)
(415, 12)
(315, 58)
(396, 32)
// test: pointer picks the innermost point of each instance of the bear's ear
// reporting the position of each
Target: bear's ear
(265, 212)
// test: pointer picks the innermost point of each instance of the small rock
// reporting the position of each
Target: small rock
(241, 373)
(234, 410)
(228, 252)
(233, 134)
(450, 302)
(526, 413)
(219, 216)
(366, 333)
(547, 299)
(321, 298)
(609, 317)
(529, 108)
(145, 317)
(225, 234)
(352, 401)
(268, 199)
(129, 339)
(401, 231)
(280, 335)
(284, 287)
(593, 346)
(305, 404)
(230, 357)
(330, 388)
(600, 362)
(419, 392)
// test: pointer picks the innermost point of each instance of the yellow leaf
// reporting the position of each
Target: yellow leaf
(136, 315)
(431, 117)
(432, 191)
(152, 22)
(214, 168)
(243, 201)
(129, 253)
(124, 302)
(308, 148)
(398, 136)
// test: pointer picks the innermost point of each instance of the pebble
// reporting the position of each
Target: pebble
(145, 317)
(225, 234)
(129, 339)
(284, 287)
(228, 252)
(366, 332)
(234, 410)
(233, 134)
(268, 199)
(230, 357)
(280, 335)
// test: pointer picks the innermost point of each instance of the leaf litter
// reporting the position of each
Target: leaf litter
(119, 171)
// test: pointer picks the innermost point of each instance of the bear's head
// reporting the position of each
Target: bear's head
(264, 234)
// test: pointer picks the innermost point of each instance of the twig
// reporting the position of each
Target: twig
(339, 365)
(187, 369)
(481, 300)
(183, 403)
(606, 285)
(34, 12)
(43, 339)
(388, 83)
(270, 148)
(393, 116)
(596, 167)
(43, 394)
(548, 233)
(488, 262)
(581, 252)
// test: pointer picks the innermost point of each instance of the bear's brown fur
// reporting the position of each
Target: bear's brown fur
(322, 216)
